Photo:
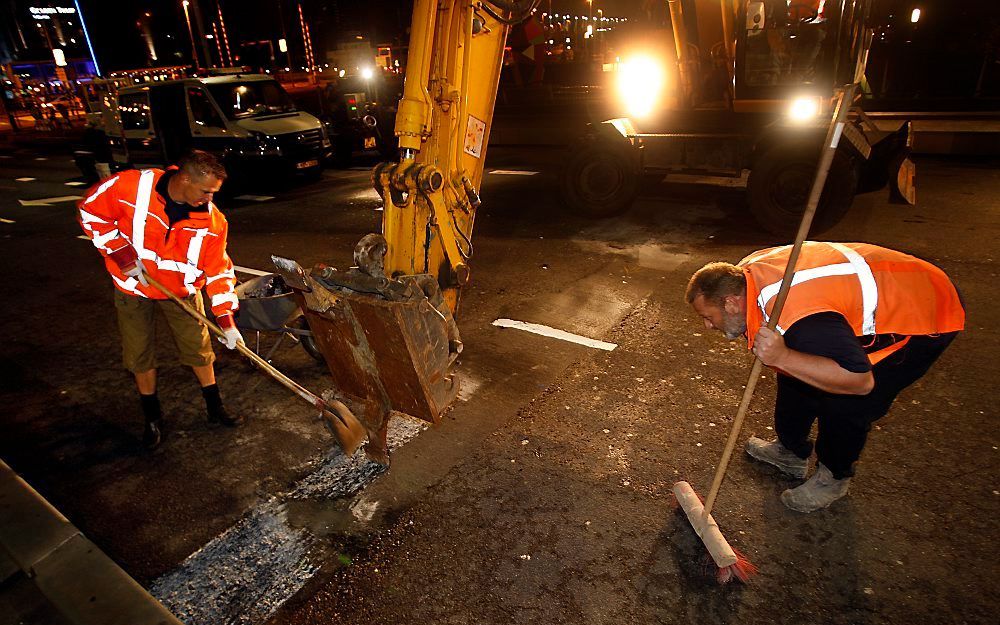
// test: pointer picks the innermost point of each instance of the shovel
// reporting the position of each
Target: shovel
(337, 417)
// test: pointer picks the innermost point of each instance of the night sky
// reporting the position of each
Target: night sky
(955, 48)
(119, 45)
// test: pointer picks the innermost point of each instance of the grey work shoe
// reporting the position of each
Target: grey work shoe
(819, 491)
(775, 454)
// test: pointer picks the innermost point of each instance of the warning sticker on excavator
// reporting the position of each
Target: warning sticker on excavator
(475, 132)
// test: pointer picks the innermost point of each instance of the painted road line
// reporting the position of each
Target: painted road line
(255, 198)
(24, 179)
(563, 335)
(6, 221)
(84, 237)
(6, 156)
(49, 201)
(41, 158)
(246, 573)
(252, 272)
(513, 172)
(75, 183)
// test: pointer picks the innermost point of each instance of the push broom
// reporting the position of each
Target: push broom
(732, 564)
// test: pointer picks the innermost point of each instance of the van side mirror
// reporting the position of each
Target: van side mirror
(755, 15)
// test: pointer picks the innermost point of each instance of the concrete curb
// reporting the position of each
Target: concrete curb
(73, 575)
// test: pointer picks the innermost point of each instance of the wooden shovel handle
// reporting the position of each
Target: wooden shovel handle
(313, 399)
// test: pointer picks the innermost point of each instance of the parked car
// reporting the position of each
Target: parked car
(246, 119)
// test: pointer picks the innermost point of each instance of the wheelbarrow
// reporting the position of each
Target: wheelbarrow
(268, 306)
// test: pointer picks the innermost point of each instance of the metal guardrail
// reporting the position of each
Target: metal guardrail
(78, 579)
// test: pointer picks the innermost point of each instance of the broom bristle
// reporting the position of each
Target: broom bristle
(743, 570)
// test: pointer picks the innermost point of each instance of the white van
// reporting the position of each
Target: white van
(246, 119)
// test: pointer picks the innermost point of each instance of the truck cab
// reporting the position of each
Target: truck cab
(248, 120)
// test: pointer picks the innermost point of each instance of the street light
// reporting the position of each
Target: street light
(915, 16)
(194, 49)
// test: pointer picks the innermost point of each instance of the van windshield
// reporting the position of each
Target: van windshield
(240, 100)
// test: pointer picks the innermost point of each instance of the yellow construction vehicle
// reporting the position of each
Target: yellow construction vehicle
(386, 327)
(746, 92)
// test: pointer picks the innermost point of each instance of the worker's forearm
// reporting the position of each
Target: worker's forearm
(825, 374)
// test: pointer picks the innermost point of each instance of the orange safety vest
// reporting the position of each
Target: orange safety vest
(125, 210)
(877, 290)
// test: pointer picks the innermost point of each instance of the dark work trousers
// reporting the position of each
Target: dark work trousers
(845, 420)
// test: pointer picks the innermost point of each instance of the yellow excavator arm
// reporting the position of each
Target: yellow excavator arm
(386, 326)
(443, 123)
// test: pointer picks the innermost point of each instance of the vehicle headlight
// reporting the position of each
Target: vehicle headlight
(804, 109)
(640, 83)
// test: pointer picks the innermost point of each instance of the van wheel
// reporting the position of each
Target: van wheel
(601, 179)
(780, 182)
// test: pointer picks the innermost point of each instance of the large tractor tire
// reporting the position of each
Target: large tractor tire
(779, 186)
(600, 179)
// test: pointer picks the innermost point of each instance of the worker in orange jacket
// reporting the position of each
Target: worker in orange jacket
(860, 324)
(164, 223)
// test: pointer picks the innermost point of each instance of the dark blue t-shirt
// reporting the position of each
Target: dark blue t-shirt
(829, 335)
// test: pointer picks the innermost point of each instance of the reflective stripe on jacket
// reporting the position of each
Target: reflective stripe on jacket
(877, 290)
(126, 210)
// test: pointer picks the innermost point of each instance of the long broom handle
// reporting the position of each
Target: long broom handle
(826, 159)
(289, 383)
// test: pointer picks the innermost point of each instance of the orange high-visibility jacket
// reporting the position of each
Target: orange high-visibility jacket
(125, 212)
(877, 290)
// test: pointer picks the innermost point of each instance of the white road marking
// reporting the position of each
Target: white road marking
(24, 179)
(75, 183)
(49, 201)
(555, 333)
(84, 237)
(41, 158)
(513, 172)
(252, 272)
(6, 221)
(255, 198)
(6, 156)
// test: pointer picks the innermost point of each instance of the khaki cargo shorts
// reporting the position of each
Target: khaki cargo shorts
(137, 324)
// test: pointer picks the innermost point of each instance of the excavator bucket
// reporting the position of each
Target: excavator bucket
(389, 344)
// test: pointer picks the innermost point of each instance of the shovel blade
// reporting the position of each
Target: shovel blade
(345, 427)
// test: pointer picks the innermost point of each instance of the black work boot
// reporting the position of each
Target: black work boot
(152, 432)
(217, 413)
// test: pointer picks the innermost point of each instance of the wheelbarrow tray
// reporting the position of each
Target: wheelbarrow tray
(264, 313)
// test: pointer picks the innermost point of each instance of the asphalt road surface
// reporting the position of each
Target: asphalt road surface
(544, 495)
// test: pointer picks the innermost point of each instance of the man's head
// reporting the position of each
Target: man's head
(718, 293)
(199, 179)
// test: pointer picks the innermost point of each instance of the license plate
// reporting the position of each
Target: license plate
(369, 142)
(307, 164)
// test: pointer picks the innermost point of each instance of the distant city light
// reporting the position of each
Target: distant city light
(915, 16)
(282, 45)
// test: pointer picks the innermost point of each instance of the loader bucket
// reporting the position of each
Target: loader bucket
(389, 344)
